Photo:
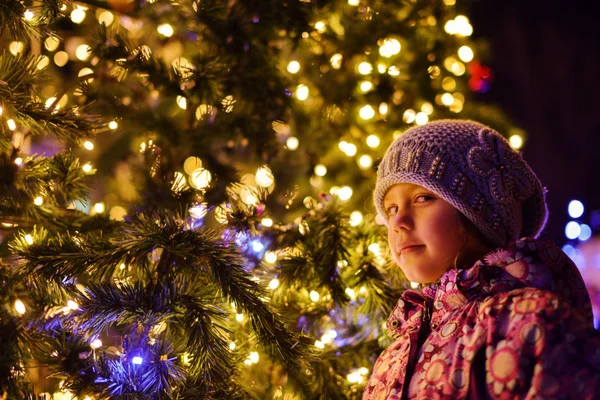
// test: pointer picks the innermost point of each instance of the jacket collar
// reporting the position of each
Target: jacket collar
(524, 263)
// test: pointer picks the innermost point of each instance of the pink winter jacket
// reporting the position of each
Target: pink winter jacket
(516, 325)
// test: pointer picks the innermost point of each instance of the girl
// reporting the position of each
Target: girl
(502, 317)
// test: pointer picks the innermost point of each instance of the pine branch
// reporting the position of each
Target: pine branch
(12, 18)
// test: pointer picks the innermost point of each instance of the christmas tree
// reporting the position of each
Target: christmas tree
(186, 185)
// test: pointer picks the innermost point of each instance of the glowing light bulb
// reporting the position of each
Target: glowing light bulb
(88, 145)
(165, 30)
(274, 284)
(320, 170)
(61, 58)
(106, 18)
(232, 346)
(576, 208)
(72, 305)
(409, 116)
(29, 239)
(516, 141)
(38, 201)
(373, 141)
(78, 15)
(336, 61)
(99, 208)
(16, 47)
(465, 53)
(82, 52)
(367, 112)
(383, 108)
(51, 43)
(96, 344)
(28, 15)
(447, 99)
(253, 357)
(11, 124)
(421, 118)
(18, 161)
(302, 92)
(351, 293)
(572, 230)
(293, 67)
(264, 177)
(137, 360)
(87, 167)
(271, 257)
(181, 102)
(365, 68)
(414, 285)
(389, 48)
(292, 143)
(201, 178)
(353, 3)
(267, 222)
(314, 296)
(356, 218)
(20, 307)
(365, 161)
(320, 26)
(239, 317)
(365, 86)
(319, 344)
(113, 125)
(350, 149)
(345, 193)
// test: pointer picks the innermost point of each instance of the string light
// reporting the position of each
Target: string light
(16, 47)
(28, 15)
(266, 222)
(165, 30)
(373, 141)
(51, 43)
(292, 143)
(320, 26)
(61, 58)
(447, 99)
(264, 177)
(96, 344)
(182, 102)
(239, 317)
(353, 3)
(38, 201)
(72, 305)
(232, 346)
(465, 53)
(365, 161)
(20, 307)
(390, 47)
(87, 168)
(383, 108)
(302, 92)
(314, 296)
(575, 209)
(137, 360)
(29, 239)
(345, 193)
(274, 284)
(355, 218)
(11, 124)
(336, 61)
(78, 15)
(365, 68)
(88, 145)
(421, 118)
(106, 18)
(18, 161)
(253, 357)
(271, 257)
(320, 170)
(516, 141)
(365, 86)
(99, 208)
(293, 67)
(367, 112)
(319, 344)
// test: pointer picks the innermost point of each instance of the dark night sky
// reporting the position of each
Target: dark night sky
(545, 57)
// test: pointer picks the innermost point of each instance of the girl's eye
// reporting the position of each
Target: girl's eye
(392, 210)
(423, 198)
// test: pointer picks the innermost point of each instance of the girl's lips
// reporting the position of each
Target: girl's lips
(410, 248)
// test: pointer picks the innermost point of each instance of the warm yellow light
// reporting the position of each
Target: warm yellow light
(165, 30)
(87, 167)
(292, 143)
(29, 239)
(43, 63)
(88, 145)
(38, 201)
(409, 116)
(1, 110)
(336, 61)
(449, 84)
(264, 177)
(365, 161)
(314, 296)
(320, 170)
(61, 58)
(274, 284)
(232, 346)
(427, 108)
(365, 68)
(414, 285)
(293, 67)
(458, 68)
(50, 101)
(271, 257)
(72, 305)
(16, 48)
(267, 222)
(365, 86)
(389, 48)
(106, 18)
(18, 161)
(350, 149)
(20, 307)
(373, 141)
(191, 164)
(353, 2)
(182, 102)
(451, 27)
(393, 71)
(82, 52)
(351, 293)
(302, 92)
(51, 43)
(367, 112)
(99, 208)
(516, 141)
(253, 357)
(465, 53)
(28, 15)
(117, 213)
(200, 178)
(113, 125)
(421, 118)
(77, 15)
(355, 377)
(344, 193)
(320, 26)
(239, 317)
(381, 68)
(202, 111)
(447, 99)
(356, 218)
(319, 344)
(96, 344)
(463, 26)
(383, 108)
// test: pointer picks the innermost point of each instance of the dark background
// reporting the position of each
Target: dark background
(545, 58)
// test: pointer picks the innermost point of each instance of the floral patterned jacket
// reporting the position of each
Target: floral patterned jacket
(516, 325)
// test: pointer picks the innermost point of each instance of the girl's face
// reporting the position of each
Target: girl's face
(425, 233)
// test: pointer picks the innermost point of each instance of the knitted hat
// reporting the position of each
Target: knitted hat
(472, 167)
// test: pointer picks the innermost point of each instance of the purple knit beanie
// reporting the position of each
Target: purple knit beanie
(472, 167)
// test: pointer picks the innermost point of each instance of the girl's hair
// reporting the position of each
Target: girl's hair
(475, 244)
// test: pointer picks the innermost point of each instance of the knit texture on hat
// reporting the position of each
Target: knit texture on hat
(472, 167)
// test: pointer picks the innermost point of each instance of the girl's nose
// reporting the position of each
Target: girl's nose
(402, 220)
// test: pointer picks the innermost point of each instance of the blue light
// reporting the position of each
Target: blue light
(137, 360)
(569, 250)
(586, 232)
(572, 230)
(576, 209)
(257, 246)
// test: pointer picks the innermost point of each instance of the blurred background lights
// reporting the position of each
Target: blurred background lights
(38, 201)
(447, 99)
(353, 2)
(314, 296)
(586, 232)
(373, 141)
(29, 239)
(239, 317)
(336, 61)
(96, 344)
(253, 357)
(274, 284)
(293, 67)
(292, 143)
(421, 118)
(569, 251)
(389, 48)
(365, 68)
(106, 18)
(344, 193)
(320, 26)
(20, 307)
(51, 43)
(271, 257)
(137, 360)
(99, 208)
(61, 58)
(320, 170)
(465, 53)
(365, 86)
(165, 30)
(302, 92)
(268, 222)
(28, 15)
(264, 177)
(365, 161)
(182, 102)
(43, 63)
(113, 125)
(383, 108)
(11, 124)
(72, 305)
(82, 52)
(516, 141)
(16, 47)
(257, 246)
(572, 230)
(200, 178)
(191, 164)
(355, 218)
(575, 208)
(77, 15)
(367, 112)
